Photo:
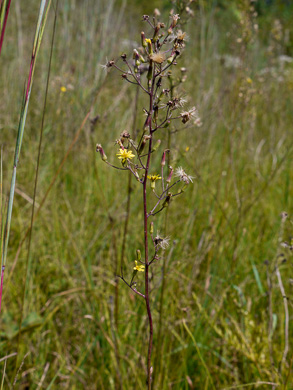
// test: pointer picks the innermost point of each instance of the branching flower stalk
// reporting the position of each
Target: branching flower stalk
(148, 69)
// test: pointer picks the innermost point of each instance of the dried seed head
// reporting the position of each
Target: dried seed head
(108, 65)
(189, 11)
(175, 19)
(181, 37)
(125, 134)
(183, 175)
(124, 57)
(145, 17)
(157, 12)
(158, 58)
(161, 242)
(187, 115)
(176, 102)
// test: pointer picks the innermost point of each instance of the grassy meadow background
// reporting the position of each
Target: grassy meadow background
(223, 323)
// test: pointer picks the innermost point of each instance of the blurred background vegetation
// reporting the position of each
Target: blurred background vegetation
(224, 317)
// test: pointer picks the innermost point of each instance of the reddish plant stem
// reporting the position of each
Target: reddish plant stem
(147, 264)
(4, 24)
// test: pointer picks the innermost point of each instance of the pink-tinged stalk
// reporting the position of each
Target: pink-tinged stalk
(4, 24)
(1, 287)
(147, 264)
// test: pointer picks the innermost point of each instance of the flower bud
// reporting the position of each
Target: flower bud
(156, 33)
(150, 47)
(143, 143)
(167, 200)
(171, 58)
(157, 144)
(156, 112)
(157, 12)
(135, 55)
(138, 254)
(150, 71)
(152, 228)
(170, 175)
(163, 161)
(101, 151)
(143, 41)
(182, 189)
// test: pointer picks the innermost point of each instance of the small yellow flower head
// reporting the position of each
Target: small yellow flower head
(153, 179)
(149, 44)
(63, 89)
(139, 268)
(125, 154)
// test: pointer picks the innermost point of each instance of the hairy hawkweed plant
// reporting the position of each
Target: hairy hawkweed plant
(148, 69)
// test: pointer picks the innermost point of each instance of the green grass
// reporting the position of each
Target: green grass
(216, 322)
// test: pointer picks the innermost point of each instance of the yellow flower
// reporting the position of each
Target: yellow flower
(148, 41)
(139, 268)
(125, 154)
(154, 177)
(63, 89)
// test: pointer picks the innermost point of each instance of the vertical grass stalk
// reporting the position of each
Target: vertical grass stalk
(4, 11)
(43, 13)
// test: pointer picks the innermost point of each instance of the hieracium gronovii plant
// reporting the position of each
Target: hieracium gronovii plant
(149, 68)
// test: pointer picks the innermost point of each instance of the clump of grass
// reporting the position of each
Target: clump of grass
(43, 13)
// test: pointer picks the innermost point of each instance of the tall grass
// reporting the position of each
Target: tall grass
(44, 8)
(225, 322)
